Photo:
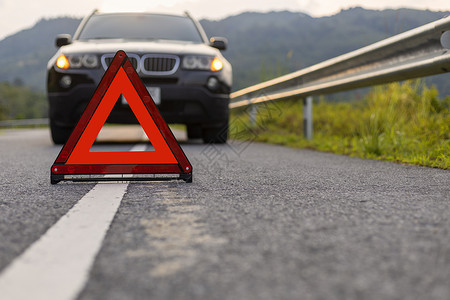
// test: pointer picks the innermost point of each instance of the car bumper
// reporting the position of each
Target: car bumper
(179, 104)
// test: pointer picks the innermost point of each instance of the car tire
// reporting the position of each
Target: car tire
(194, 132)
(215, 135)
(60, 135)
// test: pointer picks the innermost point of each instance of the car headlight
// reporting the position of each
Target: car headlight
(193, 62)
(216, 64)
(89, 61)
(62, 62)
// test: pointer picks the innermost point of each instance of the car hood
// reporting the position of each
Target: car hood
(138, 47)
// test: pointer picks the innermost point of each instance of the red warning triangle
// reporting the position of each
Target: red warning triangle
(76, 162)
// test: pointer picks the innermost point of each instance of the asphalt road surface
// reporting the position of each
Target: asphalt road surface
(258, 222)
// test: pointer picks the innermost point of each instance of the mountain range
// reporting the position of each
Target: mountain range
(261, 45)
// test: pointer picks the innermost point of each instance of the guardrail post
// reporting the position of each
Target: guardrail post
(308, 117)
(253, 114)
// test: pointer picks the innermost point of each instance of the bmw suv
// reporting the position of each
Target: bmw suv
(186, 74)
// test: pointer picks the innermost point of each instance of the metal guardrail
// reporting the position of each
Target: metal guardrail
(416, 53)
(24, 123)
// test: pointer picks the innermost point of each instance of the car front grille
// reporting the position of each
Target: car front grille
(149, 64)
(108, 60)
(155, 64)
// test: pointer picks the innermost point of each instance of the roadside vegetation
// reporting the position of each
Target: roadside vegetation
(20, 102)
(401, 122)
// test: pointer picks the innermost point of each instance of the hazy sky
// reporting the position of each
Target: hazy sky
(16, 15)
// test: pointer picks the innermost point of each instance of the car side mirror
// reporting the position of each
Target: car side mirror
(218, 42)
(63, 39)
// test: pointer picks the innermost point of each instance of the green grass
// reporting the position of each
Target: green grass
(400, 122)
(20, 102)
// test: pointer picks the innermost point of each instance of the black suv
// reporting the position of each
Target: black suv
(187, 76)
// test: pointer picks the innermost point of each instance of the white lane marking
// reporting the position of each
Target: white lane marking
(57, 265)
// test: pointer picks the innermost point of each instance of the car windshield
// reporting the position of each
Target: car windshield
(140, 26)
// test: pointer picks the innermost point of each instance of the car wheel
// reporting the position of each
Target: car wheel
(60, 135)
(194, 131)
(215, 135)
